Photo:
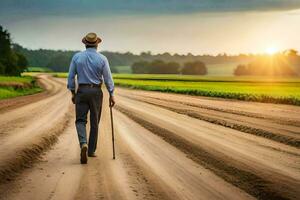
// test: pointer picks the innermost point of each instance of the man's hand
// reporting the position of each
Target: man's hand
(111, 101)
(73, 98)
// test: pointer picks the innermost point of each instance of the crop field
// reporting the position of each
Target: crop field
(281, 90)
(260, 89)
(11, 86)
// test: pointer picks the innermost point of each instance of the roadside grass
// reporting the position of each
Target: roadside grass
(38, 69)
(60, 74)
(270, 90)
(55, 74)
(16, 79)
(12, 86)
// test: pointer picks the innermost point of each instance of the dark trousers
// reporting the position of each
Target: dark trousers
(88, 99)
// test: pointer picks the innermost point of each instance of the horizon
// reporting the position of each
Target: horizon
(172, 54)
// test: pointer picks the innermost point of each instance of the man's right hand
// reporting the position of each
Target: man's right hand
(112, 101)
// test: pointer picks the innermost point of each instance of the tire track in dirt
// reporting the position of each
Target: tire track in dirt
(292, 141)
(168, 98)
(170, 169)
(278, 120)
(27, 156)
(219, 164)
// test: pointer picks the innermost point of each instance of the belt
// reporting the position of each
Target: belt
(90, 85)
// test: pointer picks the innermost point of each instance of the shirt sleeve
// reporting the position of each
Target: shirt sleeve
(109, 83)
(71, 76)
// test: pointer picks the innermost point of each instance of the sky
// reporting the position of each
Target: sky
(175, 26)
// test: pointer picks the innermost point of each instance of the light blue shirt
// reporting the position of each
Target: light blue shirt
(90, 67)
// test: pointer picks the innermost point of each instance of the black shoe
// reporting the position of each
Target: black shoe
(92, 154)
(83, 154)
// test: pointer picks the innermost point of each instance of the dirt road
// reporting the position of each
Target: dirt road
(168, 147)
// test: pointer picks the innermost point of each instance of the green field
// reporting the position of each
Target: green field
(38, 69)
(277, 90)
(15, 79)
(261, 89)
(11, 86)
(60, 74)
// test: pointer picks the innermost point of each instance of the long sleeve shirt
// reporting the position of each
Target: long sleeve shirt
(90, 67)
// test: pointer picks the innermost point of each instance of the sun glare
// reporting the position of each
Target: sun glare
(272, 50)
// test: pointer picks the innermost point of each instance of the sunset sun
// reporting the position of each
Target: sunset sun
(272, 50)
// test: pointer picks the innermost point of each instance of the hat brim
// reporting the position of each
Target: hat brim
(84, 41)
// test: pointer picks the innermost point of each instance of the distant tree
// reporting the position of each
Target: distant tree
(140, 67)
(155, 67)
(291, 52)
(12, 63)
(22, 61)
(294, 59)
(5, 42)
(5, 50)
(278, 65)
(171, 68)
(241, 70)
(2, 68)
(60, 63)
(194, 68)
(148, 53)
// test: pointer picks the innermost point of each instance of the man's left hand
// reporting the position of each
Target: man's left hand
(112, 101)
(73, 98)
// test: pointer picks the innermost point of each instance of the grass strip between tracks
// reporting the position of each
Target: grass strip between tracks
(239, 127)
(245, 180)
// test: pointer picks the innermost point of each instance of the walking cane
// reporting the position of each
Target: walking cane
(112, 131)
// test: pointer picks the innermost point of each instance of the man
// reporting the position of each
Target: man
(91, 68)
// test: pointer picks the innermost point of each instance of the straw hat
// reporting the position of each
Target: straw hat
(91, 39)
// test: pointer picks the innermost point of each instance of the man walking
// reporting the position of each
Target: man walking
(91, 68)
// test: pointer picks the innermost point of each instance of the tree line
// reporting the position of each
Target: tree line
(161, 67)
(59, 60)
(286, 63)
(12, 62)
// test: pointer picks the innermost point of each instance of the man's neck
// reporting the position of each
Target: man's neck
(91, 49)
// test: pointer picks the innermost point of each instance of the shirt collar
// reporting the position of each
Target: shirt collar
(91, 49)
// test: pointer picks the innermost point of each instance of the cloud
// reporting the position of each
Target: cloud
(96, 7)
